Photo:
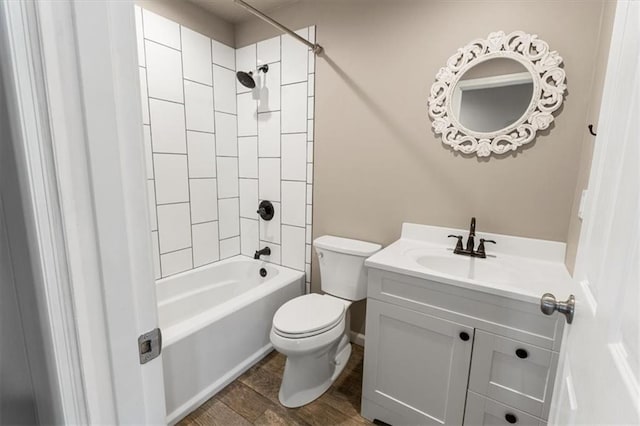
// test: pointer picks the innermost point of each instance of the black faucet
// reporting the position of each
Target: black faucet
(472, 234)
(469, 251)
(264, 252)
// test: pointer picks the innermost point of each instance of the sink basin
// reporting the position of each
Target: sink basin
(489, 270)
(517, 268)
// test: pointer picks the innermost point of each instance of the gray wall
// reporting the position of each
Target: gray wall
(600, 52)
(17, 400)
(28, 380)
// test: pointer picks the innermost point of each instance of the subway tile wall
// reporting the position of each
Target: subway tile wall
(275, 148)
(215, 148)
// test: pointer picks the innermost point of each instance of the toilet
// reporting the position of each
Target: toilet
(312, 330)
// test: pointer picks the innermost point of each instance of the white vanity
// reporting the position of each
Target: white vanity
(455, 340)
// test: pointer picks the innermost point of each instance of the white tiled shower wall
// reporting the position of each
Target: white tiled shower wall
(215, 148)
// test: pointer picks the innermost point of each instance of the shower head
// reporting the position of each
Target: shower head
(246, 78)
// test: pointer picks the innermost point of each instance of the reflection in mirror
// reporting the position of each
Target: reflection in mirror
(492, 95)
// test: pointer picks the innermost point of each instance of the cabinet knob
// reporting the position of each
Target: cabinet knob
(464, 336)
(511, 418)
(522, 353)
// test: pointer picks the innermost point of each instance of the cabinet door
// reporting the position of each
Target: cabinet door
(416, 366)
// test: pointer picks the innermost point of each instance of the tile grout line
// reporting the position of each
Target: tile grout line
(310, 201)
(198, 82)
(158, 43)
(176, 250)
(153, 167)
(237, 95)
(170, 153)
(215, 147)
(280, 156)
(173, 203)
(222, 66)
(186, 143)
(258, 158)
(169, 100)
(306, 109)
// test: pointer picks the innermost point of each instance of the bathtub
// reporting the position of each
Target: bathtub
(215, 323)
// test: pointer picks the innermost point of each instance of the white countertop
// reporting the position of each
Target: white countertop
(517, 268)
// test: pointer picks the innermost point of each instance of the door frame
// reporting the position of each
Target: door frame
(70, 73)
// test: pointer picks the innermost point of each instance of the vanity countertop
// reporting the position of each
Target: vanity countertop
(517, 268)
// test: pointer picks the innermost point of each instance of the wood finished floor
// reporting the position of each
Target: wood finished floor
(252, 399)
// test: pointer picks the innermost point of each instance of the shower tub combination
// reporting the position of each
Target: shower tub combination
(215, 324)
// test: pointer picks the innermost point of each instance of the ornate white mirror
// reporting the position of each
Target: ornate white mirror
(496, 93)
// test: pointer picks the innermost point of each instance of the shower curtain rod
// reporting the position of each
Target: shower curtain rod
(316, 48)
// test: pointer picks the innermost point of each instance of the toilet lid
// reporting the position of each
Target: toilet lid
(309, 314)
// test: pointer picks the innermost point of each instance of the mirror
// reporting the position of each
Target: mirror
(495, 94)
(492, 95)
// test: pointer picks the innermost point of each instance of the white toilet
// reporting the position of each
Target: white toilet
(312, 330)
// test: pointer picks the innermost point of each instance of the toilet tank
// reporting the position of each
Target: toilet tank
(342, 270)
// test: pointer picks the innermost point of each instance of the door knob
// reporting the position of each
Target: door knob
(549, 305)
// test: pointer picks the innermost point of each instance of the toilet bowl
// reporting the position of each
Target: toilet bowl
(312, 330)
(316, 348)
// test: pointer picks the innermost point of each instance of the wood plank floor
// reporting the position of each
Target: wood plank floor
(253, 399)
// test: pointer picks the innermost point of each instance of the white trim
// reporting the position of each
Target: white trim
(75, 70)
(590, 300)
(621, 361)
(23, 72)
(356, 338)
(503, 80)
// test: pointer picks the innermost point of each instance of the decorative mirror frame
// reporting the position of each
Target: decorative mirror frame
(548, 93)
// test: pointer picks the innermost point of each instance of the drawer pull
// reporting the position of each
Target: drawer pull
(511, 418)
(464, 336)
(522, 353)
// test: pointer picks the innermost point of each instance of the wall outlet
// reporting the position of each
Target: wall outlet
(583, 202)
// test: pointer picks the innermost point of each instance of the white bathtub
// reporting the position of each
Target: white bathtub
(215, 323)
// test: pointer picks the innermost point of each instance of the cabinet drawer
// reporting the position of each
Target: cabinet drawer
(482, 411)
(513, 318)
(515, 373)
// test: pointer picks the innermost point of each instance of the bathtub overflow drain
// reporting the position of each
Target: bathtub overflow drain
(263, 272)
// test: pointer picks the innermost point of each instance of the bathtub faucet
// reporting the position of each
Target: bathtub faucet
(264, 252)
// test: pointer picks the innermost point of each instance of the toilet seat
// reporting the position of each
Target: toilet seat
(308, 315)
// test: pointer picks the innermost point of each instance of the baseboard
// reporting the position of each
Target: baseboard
(356, 338)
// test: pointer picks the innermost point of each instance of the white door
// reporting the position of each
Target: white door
(71, 78)
(599, 374)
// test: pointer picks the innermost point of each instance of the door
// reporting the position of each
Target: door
(599, 363)
(71, 82)
(416, 366)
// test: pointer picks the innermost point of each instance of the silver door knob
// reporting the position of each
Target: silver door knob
(549, 305)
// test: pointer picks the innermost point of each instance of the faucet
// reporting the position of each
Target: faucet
(469, 250)
(264, 252)
(472, 234)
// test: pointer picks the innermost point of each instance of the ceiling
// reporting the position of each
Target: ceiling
(231, 12)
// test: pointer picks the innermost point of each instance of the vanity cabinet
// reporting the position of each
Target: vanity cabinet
(436, 353)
